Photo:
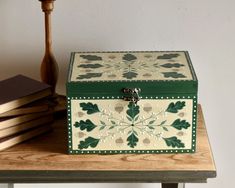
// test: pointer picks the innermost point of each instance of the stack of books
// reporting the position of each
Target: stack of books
(25, 110)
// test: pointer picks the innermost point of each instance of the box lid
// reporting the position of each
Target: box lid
(159, 72)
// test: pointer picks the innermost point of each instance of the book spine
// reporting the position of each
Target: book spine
(25, 126)
(26, 136)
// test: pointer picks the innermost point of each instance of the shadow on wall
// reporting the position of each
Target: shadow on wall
(9, 69)
(32, 70)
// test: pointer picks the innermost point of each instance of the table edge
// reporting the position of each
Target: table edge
(47, 176)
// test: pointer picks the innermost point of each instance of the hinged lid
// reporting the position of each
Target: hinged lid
(155, 72)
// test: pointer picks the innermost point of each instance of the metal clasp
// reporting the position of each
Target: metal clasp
(133, 94)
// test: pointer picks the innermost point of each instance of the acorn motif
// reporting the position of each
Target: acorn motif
(119, 141)
(87, 70)
(181, 114)
(146, 141)
(147, 108)
(80, 134)
(147, 75)
(112, 57)
(88, 61)
(148, 56)
(80, 114)
(112, 75)
(181, 133)
(119, 108)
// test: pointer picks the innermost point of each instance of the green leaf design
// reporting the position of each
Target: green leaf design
(89, 107)
(174, 142)
(90, 66)
(89, 75)
(132, 140)
(165, 129)
(133, 110)
(103, 123)
(156, 65)
(151, 127)
(102, 127)
(88, 142)
(168, 56)
(88, 125)
(175, 107)
(171, 65)
(129, 75)
(151, 122)
(180, 124)
(91, 57)
(129, 57)
(173, 75)
(128, 118)
(135, 132)
(163, 122)
(136, 118)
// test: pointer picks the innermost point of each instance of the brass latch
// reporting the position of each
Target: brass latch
(133, 94)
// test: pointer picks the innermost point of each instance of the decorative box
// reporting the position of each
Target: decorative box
(131, 102)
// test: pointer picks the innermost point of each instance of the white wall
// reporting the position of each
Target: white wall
(206, 28)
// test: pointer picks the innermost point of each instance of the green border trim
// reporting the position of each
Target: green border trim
(69, 119)
(115, 88)
(194, 126)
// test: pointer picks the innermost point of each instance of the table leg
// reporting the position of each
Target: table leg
(10, 185)
(173, 185)
(7, 185)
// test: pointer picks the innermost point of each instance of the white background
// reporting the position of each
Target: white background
(206, 28)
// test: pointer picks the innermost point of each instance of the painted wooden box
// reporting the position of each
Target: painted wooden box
(131, 102)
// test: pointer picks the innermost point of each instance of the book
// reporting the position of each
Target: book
(25, 126)
(9, 122)
(41, 105)
(61, 104)
(23, 136)
(20, 90)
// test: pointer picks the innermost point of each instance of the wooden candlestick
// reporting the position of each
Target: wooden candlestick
(49, 66)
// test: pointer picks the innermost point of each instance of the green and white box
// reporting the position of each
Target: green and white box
(131, 102)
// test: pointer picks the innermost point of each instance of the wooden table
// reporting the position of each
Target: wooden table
(45, 159)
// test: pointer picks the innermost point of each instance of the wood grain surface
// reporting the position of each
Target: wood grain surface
(45, 159)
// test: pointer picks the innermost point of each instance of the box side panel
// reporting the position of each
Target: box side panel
(109, 125)
(194, 76)
(70, 69)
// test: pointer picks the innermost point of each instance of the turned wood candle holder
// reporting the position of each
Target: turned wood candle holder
(49, 66)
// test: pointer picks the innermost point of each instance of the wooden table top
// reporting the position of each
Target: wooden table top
(45, 159)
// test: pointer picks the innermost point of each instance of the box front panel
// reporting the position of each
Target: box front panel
(105, 125)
